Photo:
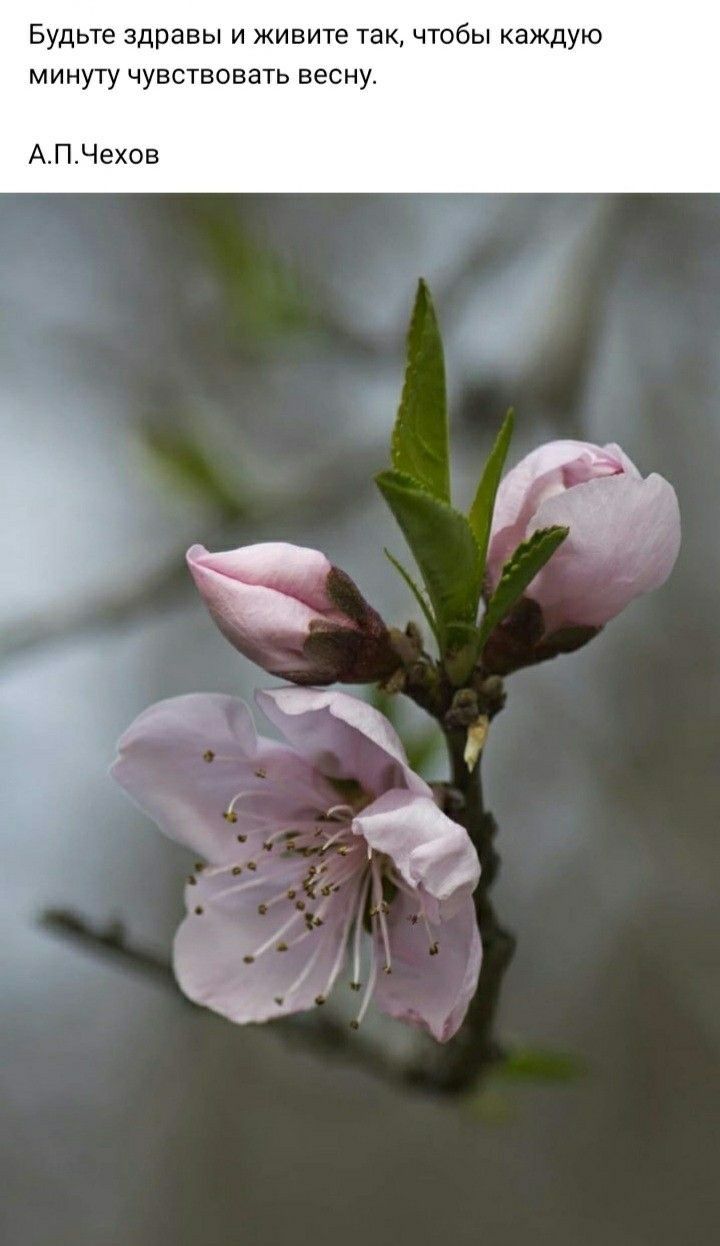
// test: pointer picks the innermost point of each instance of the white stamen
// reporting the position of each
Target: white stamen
(360, 911)
(234, 889)
(333, 839)
(286, 833)
(417, 899)
(339, 813)
(379, 902)
(367, 996)
(277, 935)
(340, 958)
(252, 793)
(304, 972)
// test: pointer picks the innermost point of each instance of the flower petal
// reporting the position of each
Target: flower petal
(550, 469)
(224, 925)
(624, 540)
(293, 570)
(263, 599)
(431, 852)
(161, 764)
(430, 991)
(345, 738)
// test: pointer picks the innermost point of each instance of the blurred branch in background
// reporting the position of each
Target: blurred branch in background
(558, 353)
(319, 1029)
(332, 488)
(181, 460)
(326, 1035)
(155, 590)
(267, 303)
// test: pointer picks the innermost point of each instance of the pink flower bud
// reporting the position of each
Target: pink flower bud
(624, 533)
(292, 612)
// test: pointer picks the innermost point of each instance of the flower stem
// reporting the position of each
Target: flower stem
(460, 1063)
(474, 1048)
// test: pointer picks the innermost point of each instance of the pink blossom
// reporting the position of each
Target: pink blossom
(304, 846)
(624, 530)
(288, 609)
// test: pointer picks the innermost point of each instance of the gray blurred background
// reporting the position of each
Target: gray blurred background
(227, 370)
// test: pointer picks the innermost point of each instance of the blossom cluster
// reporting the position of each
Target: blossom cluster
(326, 854)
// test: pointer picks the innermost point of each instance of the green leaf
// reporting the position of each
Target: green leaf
(444, 548)
(419, 445)
(519, 570)
(528, 1064)
(416, 592)
(481, 511)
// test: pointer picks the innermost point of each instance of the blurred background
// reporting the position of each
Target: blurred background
(226, 370)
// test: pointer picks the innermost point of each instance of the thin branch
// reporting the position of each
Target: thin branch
(319, 1031)
(333, 490)
(156, 590)
(109, 940)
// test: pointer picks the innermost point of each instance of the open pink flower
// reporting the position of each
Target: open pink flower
(295, 614)
(306, 847)
(624, 530)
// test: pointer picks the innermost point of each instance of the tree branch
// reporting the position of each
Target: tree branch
(332, 490)
(475, 1048)
(318, 1030)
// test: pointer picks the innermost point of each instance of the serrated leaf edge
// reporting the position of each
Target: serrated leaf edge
(520, 555)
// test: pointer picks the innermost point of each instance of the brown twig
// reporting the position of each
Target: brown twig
(319, 1031)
